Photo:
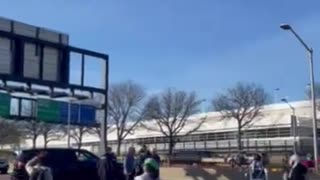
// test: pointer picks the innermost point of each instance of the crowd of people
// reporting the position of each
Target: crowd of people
(293, 169)
(144, 165)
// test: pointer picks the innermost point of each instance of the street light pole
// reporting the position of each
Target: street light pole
(312, 88)
(314, 112)
(293, 124)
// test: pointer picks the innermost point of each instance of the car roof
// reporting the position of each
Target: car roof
(52, 149)
(27, 154)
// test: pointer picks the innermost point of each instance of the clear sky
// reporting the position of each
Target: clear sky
(201, 45)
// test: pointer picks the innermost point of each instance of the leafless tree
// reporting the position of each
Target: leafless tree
(241, 103)
(316, 92)
(97, 130)
(77, 133)
(171, 111)
(9, 133)
(125, 108)
(31, 129)
(51, 132)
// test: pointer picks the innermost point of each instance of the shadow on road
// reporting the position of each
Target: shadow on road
(199, 173)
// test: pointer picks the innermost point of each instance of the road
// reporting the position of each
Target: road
(215, 173)
(197, 173)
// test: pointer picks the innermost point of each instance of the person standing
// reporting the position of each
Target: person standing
(151, 168)
(143, 155)
(256, 169)
(129, 164)
(36, 170)
(107, 166)
(297, 170)
(156, 157)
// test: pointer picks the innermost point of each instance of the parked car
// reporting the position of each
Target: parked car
(5, 158)
(240, 159)
(307, 162)
(4, 166)
(188, 156)
(65, 163)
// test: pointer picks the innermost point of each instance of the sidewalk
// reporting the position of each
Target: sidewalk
(314, 176)
(213, 173)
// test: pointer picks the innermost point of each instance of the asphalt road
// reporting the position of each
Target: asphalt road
(4, 177)
(222, 174)
(197, 173)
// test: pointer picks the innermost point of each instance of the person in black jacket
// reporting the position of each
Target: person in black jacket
(156, 157)
(143, 155)
(297, 170)
(107, 166)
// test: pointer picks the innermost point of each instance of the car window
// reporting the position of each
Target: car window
(54, 158)
(61, 157)
(25, 156)
(84, 156)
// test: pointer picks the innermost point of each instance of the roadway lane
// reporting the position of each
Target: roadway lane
(4, 177)
(214, 173)
(197, 173)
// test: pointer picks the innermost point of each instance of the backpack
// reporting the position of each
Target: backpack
(258, 171)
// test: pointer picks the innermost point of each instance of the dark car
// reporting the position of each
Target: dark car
(65, 164)
(6, 158)
(4, 166)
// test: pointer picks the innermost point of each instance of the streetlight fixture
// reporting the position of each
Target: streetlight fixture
(312, 88)
(291, 107)
(293, 124)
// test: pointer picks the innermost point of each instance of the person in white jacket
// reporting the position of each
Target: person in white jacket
(36, 170)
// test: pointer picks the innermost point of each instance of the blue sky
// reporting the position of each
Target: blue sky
(204, 45)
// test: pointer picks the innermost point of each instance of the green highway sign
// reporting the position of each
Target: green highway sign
(5, 104)
(60, 112)
(48, 110)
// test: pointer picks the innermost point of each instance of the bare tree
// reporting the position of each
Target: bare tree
(241, 103)
(96, 130)
(171, 111)
(125, 108)
(316, 93)
(9, 133)
(51, 132)
(31, 130)
(77, 133)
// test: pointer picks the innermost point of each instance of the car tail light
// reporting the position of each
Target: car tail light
(19, 165)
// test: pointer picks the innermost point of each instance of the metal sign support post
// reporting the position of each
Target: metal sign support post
(104, 123)
(69, 121)
(294, 132)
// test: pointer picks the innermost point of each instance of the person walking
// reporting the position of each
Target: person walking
(37, 170)
(256, 169)
(297, 171)
(151, 168)
(129, 164)
(107, 166)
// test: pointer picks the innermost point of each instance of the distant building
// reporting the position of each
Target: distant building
(271, 132)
